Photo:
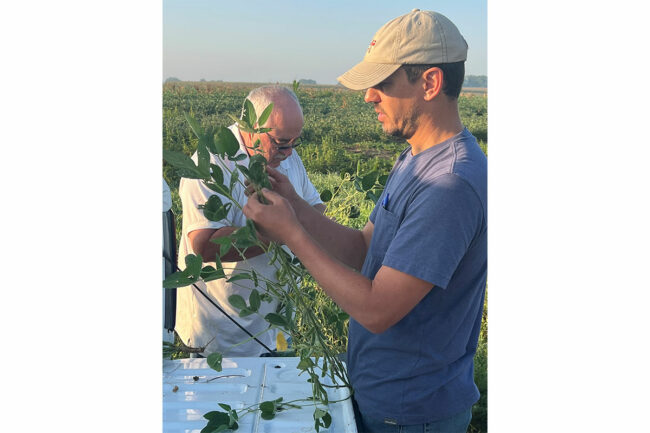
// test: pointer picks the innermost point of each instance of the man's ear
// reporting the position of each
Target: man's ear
(433, 80)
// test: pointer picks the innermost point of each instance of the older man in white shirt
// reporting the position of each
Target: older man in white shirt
(198, 323)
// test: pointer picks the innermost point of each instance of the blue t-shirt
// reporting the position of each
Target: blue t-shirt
(430, 222)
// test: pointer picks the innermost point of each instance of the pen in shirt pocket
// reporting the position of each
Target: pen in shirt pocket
(384, 202)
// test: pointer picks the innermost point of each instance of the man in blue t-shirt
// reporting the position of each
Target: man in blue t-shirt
(417, 302)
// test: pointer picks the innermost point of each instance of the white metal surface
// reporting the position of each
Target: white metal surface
(241, 383)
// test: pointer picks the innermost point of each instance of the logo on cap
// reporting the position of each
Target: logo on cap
(372, 44)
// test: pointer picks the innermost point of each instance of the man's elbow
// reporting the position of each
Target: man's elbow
(377, 325)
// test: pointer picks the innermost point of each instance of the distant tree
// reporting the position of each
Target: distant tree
(171, 80)
(306, 81)
(475, 81)
(202, 80)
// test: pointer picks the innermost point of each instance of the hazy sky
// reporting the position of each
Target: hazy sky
(286, 40)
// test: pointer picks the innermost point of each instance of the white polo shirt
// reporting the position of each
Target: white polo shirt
(198, 321)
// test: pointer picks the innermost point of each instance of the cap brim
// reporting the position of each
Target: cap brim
(367, 74)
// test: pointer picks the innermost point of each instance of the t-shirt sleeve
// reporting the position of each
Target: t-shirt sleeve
(438, 227)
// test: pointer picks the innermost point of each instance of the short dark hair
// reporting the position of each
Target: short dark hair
(453, 76)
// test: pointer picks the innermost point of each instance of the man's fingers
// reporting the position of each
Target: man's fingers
(271, 196)
(274, 174)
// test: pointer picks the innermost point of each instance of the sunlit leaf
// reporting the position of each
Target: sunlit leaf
(281, 342)
(265, 115)
(249, 113)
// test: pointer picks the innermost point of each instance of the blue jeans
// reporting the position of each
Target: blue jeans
(457, 423)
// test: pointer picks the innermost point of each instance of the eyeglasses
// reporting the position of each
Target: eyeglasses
(285, 144)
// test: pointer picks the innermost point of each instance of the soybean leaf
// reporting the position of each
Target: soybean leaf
(368, 180)
(354, 212)
(288, 313)
(244, 170)
(209, 273)
(178, 279)
(371, 196)
(234, 178)
(265, 115)
(193, 265)
(244, 236)
(216, 187)
(194, 125)
(249, 113)
(226, 142)
(305, 363)
(327, 420)
(214, 209)
(319, 413)
(267, 406)
(268, 415)
(237, 301)
(183, 163)
(245, 312)
(214, 361)
(203, 156)
(276, 319)
(326, 195)
(357, 184)
(225, 406)
(242, 276)
(254, 300)
(209, 139)
(238, 157)
(224, 245)
(214, 415)
(217, 174)
(382, 179)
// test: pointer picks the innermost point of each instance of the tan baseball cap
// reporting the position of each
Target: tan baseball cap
(417, 38)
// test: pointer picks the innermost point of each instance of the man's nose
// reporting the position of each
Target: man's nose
(372, 95)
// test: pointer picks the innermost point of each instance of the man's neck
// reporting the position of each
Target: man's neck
(433, 129)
